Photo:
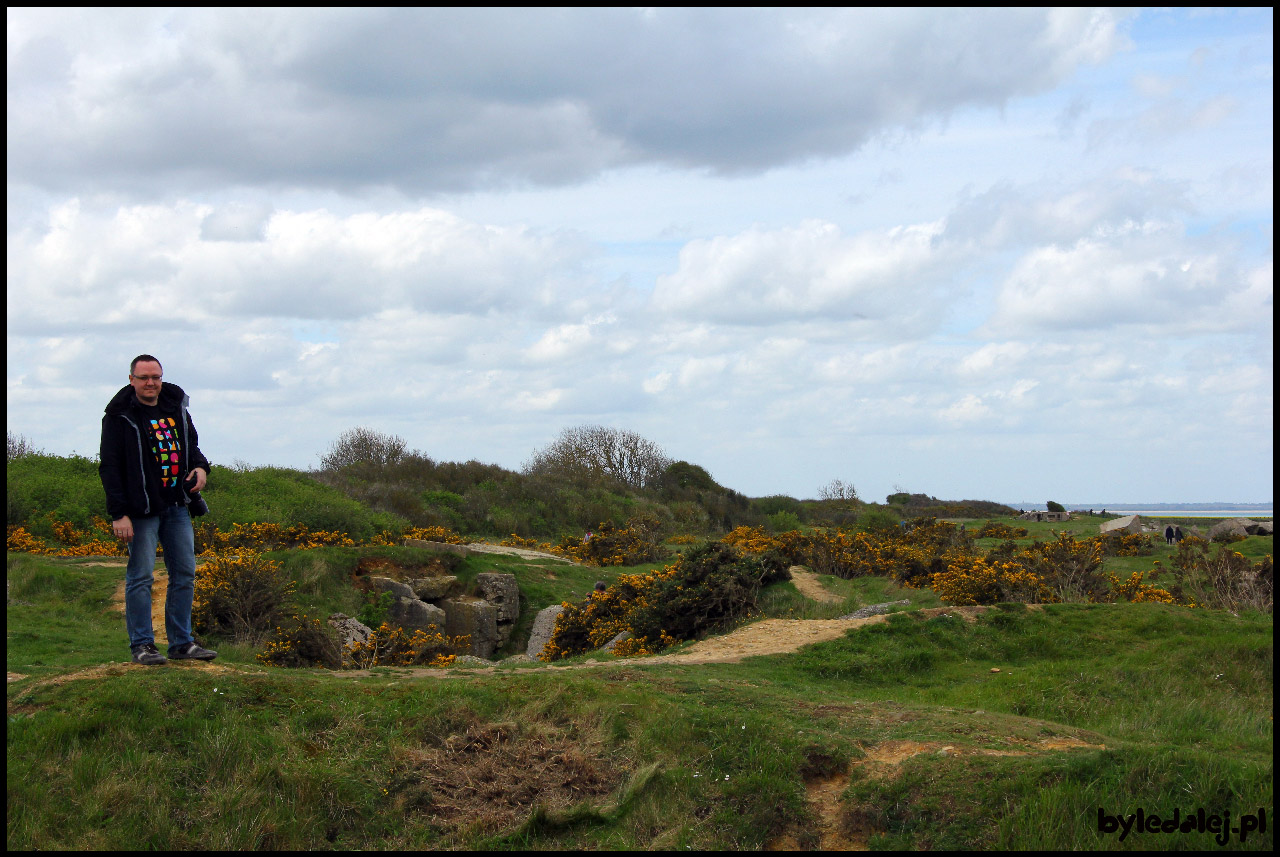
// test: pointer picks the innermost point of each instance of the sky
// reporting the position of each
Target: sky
(992, 254)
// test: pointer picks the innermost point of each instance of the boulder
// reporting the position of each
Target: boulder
(435, 588)
(395, 587)
(473, 617)
(1229, 528)
(1262, 528)
(1129, 523)
(543, 626)
(415, 615)
(351, 630)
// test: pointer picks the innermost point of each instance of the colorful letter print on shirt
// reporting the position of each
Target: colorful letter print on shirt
(166, 450)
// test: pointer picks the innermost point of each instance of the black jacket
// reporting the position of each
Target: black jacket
(125, 462)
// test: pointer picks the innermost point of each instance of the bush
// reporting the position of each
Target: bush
(393, 646)
(711, 587)
(980, 580)
(1225, 579)
(997, 530)
(706, 590)
(241, 597)
(1072, 570)
(301, 641)
(781, 522)
(877, 519)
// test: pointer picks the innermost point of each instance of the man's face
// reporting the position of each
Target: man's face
(145, 381)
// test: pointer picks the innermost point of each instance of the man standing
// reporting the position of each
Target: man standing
(152, 471)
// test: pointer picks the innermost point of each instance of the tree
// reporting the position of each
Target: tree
(1054, 507)
(838, 489)
(594, 454)
(362, 445)
(19, 446)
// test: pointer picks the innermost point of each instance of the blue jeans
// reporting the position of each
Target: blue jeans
(172, 530)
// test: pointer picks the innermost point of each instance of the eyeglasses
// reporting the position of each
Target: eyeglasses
(145, 378)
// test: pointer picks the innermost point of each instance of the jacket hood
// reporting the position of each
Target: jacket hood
(125, 399)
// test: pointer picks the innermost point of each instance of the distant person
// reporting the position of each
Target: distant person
(152, 471)
(1177, 534)
(586, 538)
(599, 588)
(1168, 535)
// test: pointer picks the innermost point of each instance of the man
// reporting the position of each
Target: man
(152, 471)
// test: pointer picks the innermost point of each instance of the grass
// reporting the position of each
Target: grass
(1171, 708)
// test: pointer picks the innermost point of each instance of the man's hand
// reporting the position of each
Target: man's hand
(123, 528)
(200, 476)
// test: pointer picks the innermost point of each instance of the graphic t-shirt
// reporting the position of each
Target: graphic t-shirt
(163, 432)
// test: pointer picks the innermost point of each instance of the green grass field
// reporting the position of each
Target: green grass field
(1011, 731)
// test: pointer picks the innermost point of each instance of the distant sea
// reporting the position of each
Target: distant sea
(1167, 510)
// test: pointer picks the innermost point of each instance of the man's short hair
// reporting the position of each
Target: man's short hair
(144, 358)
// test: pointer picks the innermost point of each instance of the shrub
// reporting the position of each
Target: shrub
(393, 646)
(781, 522)
(1119, 543)
(301, 641)
(710, 588)
(705, 590)
(1072, 570)
(980, 580)
(1224, 579)
(877, 519)
(242, 597)
(1136, 589)
(997, 530)
(636, 543)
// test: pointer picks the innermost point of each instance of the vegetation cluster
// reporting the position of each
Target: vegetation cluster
(708, 589)
(1157, 705)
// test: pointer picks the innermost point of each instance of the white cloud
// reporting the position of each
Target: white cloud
(786, 244)
(455, 99)
(883, 281)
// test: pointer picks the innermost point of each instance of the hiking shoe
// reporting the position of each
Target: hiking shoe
(148, 655)
(191, 651)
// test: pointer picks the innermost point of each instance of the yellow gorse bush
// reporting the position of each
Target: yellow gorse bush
(978, 580)
(1135, 589)
(436, 534)
(393, 646)
(72, 542)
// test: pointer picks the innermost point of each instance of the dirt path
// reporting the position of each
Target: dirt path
(810, 587)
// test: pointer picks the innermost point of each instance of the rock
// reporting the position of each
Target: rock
(543, 626)
(415, 615)
(435, 588)
(473, 617)
(352, 630)
(395, 587)
(502, 591)
(1129, 523)
(1229, 528)
(874, 609)
(471, 661)
(618, 638)
(518, 659)
(1262, 528)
